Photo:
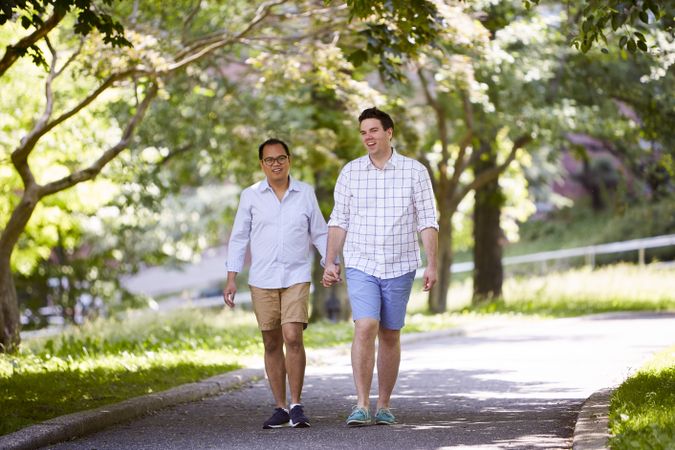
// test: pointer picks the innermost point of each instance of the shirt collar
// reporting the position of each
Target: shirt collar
(391, 162)
(292, 185)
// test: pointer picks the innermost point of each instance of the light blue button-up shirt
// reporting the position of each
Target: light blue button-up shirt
(280, 234)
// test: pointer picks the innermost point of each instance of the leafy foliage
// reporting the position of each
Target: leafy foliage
(394, 31)
(91, 15)
(628, 20)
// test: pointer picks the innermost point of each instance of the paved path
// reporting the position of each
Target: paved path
(519, 385)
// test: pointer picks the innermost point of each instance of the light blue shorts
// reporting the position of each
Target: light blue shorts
(382, 300)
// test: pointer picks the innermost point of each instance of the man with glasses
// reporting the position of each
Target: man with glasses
(382, 201)
(279, 218)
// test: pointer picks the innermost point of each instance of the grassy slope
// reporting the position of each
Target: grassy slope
(642, 410)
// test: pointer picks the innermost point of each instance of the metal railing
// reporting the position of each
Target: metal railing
(589, 252)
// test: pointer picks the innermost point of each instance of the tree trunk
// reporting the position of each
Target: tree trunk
(488, 272)
(9, 305)
(9, 310)
(438, 297)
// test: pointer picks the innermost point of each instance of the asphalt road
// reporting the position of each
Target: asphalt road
(515, 384)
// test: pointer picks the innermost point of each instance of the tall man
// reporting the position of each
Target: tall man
(279, 218)
(382, 200)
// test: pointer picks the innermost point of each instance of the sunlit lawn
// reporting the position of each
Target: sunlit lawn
(111, 360)
(642, 411)
(621, 287)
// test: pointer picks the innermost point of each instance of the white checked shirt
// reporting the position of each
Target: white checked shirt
(382, 210)
(280, 234)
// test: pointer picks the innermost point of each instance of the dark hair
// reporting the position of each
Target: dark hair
(374, 113)
(272, 141)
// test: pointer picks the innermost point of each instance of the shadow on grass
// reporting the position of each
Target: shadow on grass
(29, 398)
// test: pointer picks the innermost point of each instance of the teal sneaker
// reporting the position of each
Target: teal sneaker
(359, 416)
(384, 417)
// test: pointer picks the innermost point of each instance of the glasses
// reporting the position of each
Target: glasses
(269, 161)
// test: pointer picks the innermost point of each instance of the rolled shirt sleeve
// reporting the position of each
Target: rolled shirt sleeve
(341, 194)
(425, 203)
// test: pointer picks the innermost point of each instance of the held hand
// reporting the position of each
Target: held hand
(331, 275)
(429, 278)
(228, 294)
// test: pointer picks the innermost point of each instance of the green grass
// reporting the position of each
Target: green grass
(642, 410)
(111, 360)
(622, 287)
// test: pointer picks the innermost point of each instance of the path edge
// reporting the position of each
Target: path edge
(64, 428)
(591, 431)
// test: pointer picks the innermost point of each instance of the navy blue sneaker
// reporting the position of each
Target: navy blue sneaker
(279, 419)
(298, 418)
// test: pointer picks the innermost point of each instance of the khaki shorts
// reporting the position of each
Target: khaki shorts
(275, 307)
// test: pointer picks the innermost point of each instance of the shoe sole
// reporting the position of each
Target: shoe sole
(359, 423)
(383, 422)
(272, 427)
(300, 424)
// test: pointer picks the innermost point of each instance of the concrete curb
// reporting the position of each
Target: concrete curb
(67, 427)
(591, 431)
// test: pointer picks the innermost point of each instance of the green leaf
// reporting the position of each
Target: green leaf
(642, 45)
(632, 46)
(25, 22)
(358, 57)
(587, 25)
(585, 45)
(644, 17)
(623, 41)
(618, 19)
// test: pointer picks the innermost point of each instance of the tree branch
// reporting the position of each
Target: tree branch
(492, 174)
(189, 18)
(20, 155)
(460, 162)
(440, 121)
(41, 128)
(205, 45)
(110, 154)
(13, 52)
(72, 58)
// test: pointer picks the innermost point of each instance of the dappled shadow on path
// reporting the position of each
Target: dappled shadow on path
(435, 409)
